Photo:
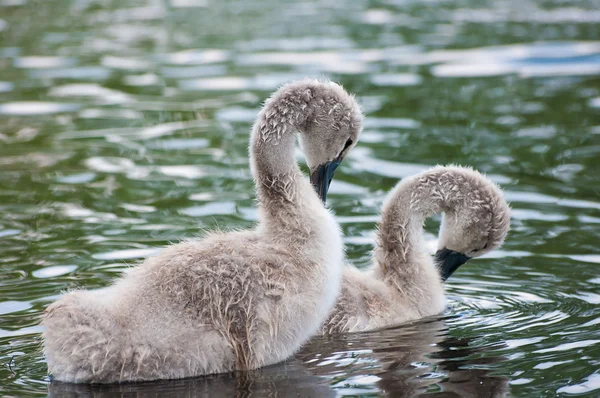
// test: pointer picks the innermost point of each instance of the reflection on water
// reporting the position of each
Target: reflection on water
(405, 361)
(289, 379)
(124, 127)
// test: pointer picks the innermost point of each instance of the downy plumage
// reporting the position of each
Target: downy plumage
(406, 283)
(232, 301)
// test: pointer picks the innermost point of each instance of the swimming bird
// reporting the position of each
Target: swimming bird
(231, 301)
(405, 283)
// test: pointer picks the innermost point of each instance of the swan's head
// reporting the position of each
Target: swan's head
(330, 132)
(328, 119)
(474, 224)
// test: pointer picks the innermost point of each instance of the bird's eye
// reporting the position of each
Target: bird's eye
(348, 143)
(483, 248)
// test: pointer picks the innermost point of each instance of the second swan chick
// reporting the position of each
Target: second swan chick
(405, 283)
(232, 301)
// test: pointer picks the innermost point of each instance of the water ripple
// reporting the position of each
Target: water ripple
(30, 108)
(102, 94)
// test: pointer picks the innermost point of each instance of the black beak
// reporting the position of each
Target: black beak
(448, 261)
(321, 177)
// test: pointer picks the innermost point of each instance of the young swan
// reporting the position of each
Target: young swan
(233, 301)
(405, 283)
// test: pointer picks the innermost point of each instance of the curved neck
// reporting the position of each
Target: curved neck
(281, 188)
(400, 251)
(272, 158)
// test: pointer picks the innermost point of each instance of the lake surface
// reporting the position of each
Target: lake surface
(124, 126)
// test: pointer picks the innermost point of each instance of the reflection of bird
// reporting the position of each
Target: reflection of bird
(468, 371)
(237, 300)
(404, 283)
(288, 379)
(405, 361)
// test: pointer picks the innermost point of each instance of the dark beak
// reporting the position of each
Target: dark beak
(448, 261)
(321, 177)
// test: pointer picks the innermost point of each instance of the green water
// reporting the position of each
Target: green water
(124, 126)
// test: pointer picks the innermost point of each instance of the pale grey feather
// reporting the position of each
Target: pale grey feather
(404, 284)
(237, 300)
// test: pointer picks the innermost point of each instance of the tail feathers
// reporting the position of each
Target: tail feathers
(78, 344)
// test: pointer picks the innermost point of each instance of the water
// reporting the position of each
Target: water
(124, 127)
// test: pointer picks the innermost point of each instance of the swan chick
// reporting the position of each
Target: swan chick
(231, 301)
(405, 283)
